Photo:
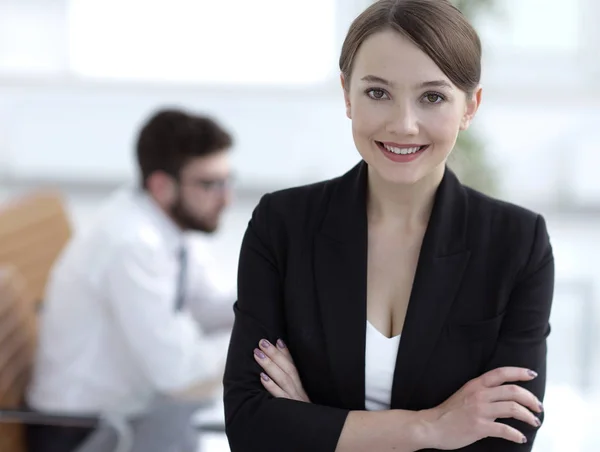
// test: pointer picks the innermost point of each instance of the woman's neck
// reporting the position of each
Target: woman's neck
(402, 206)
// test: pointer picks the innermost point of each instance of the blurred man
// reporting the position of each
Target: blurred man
(119, 324)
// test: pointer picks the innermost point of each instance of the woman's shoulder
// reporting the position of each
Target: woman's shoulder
(299, 207)
(512, 227)
(308, 196)
(499, 210)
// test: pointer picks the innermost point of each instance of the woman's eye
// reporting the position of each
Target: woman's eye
(433, 98)
(377, 94)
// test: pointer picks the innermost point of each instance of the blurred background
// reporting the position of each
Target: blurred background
(77, 78)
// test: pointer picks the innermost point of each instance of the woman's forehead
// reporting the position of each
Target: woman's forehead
(393, 57)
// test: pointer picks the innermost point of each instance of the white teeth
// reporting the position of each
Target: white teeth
(402, 151)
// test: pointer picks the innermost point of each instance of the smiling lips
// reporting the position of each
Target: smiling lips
(401, 153)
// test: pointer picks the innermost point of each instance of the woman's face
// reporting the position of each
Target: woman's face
(406, 114)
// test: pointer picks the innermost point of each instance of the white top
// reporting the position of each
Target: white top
(110, 336)
(380, 362)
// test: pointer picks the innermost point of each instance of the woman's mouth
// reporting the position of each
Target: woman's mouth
(401, 152)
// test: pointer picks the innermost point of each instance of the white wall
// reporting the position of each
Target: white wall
(77, 133)
(541, 106)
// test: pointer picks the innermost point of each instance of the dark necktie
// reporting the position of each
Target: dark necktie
(180, 291)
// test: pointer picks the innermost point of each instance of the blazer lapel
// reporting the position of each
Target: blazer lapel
(442, 261)
(340, 263)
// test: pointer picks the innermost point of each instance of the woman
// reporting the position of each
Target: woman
(414, 309)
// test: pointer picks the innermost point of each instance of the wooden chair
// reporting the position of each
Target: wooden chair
(18, 336)
(18, 339)
(33, 231)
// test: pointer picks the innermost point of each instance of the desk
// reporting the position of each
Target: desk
(214, 414)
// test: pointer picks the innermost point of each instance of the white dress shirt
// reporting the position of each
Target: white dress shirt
(111, 338)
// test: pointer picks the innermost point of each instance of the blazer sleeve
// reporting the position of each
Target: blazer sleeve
(522, 340)
(254, 419)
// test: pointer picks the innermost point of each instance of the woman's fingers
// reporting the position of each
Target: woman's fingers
(506, 393)
(506, 410)
(279, 367)
(272, 387)
(501, 375)
(498, 430)
(274, 371)
(281, 356)
(284, 350)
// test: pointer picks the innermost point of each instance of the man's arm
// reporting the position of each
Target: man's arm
(140, 286)
(209, 295)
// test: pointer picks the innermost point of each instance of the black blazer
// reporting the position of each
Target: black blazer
(481, 299)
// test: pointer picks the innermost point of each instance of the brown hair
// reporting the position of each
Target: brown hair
(171, 137)
(437, 27)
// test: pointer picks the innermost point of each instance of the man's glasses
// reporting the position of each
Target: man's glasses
(212, 185)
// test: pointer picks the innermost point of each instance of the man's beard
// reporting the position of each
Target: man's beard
(187, 221)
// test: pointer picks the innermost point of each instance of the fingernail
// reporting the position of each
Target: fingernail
(265, 343)
(280, 343)
(264, 376)
(259, 353)
(540, 406)
(524, 439)
(537, 422)
(532, 373)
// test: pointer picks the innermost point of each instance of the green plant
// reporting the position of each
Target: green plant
(469, 159)
(472, 8)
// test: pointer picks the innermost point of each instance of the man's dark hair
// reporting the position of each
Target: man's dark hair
(170, 138)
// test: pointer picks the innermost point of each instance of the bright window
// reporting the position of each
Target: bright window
(533, 26)
(234, 41)
(32, 37)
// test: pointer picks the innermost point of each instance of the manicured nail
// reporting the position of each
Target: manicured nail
(265, 343)
(524, 440)
(280, 343)
(532, 373)
(537, 422)
(259, 353)
(264, 376)
(540, 406)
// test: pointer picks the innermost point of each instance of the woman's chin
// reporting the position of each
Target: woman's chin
(401, 175)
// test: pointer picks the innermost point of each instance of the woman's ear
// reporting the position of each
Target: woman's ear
(471, 107)
(346, 90)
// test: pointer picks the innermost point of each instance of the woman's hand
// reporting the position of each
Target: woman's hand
(469, 414)
(280, 376)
